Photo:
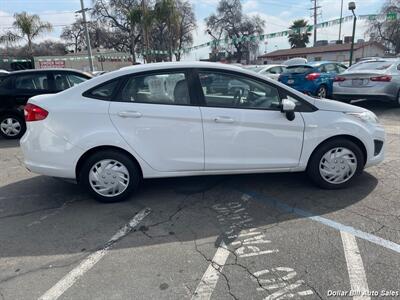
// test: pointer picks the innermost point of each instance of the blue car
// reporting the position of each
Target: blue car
(314, 78)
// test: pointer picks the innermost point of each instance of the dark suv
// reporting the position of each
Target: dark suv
(17, 87)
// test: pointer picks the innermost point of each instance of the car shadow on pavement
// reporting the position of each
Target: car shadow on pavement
(4, 143)
(43, 216)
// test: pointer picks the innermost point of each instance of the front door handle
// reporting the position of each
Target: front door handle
(223, 120)
(129, 114)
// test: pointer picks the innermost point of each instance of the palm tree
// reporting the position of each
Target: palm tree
(30, 27)
(300, 36)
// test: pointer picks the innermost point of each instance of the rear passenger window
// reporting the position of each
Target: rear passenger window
(32, 82)
(163, 88)
(103, 91)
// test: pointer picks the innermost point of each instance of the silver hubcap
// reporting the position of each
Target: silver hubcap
(322, 92)
(109, 178)
(10, 127)
(338, 165)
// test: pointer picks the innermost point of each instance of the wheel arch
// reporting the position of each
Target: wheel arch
(351, 138)
(91, 151)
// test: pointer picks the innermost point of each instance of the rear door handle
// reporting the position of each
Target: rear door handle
(223, 120)
(129, 114)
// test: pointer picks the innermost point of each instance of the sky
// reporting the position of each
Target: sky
(278, 15)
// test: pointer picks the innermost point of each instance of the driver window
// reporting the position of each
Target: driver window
(235, 91)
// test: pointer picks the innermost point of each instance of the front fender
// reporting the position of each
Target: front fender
(324, 125)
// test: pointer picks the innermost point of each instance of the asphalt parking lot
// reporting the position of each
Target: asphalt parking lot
(271, 236)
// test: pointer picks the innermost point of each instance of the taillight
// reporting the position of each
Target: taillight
(339, 79)
(313, 76)
(33, 112)
(383, 78)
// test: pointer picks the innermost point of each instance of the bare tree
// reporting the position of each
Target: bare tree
(124, 19)
(386, 30)
(185, 26)
(74, 35)
(233, 24)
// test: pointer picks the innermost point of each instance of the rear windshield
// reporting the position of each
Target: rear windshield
(298, 69)
(372, 65)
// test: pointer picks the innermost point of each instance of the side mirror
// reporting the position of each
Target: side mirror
(288, 107)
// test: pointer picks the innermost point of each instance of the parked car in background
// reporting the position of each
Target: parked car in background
(162, 120)
(314, 78)
(17, 87)
(370, 79)
(3, 74)
(270, 71)
(98, 73)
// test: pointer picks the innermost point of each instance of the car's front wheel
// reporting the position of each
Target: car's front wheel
(335, 164)
(12, 126)
(110, 176)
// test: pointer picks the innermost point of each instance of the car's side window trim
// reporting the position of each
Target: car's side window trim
(281, 91)
(88, 94)
(188, 77)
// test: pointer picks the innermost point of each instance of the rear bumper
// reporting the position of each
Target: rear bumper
(47, 154)
(349, 97)
(384, 93)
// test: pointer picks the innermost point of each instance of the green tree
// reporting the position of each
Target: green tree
(300, 36)
(230, 22)
(30, 27)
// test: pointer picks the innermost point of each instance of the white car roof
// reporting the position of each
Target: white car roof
(84, 86)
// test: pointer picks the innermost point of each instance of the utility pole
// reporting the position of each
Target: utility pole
(89, 48)
(340, 23)
(315, 16)
(352, 7)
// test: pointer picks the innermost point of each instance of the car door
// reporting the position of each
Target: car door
(30, 84)
(244, 128)
(154, 114)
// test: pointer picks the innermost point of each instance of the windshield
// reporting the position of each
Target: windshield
(298, 69)
(372, 65)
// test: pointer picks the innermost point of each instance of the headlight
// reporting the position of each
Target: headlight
(365, 116)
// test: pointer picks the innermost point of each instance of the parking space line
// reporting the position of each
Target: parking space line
(68, 280)
(210, 278)
(355, 267)
(335, 225)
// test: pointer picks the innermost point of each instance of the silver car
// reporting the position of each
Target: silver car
(372, 79)
(270, 71)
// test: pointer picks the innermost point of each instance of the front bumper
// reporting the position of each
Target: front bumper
(376, 153)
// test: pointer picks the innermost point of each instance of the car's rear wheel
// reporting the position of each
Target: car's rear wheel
(110, 176)
(322, 92)
(397, 103)
(335, 164)
(12, 126)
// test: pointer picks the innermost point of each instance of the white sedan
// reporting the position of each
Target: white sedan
(270, 71)
(182, 119)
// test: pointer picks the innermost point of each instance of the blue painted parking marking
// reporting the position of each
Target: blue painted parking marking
(333, 224)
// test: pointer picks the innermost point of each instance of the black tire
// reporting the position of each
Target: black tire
(135, 174)
(16, 117)
(323, 89)
(313, 168)
(397, 101)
